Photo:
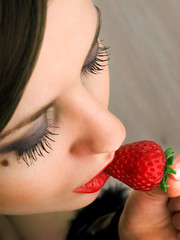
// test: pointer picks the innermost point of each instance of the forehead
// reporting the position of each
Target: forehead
(68, 35)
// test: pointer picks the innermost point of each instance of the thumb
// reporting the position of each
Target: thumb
(174, 179)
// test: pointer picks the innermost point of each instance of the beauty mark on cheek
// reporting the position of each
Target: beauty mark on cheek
(4, 163)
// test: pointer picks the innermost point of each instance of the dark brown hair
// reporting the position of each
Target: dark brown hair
(22, 24)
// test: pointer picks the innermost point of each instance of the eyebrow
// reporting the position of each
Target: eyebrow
(43, 109)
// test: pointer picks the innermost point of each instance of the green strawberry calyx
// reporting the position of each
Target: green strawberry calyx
(167, 169)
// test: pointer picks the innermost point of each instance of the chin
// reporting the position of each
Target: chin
(84, 200)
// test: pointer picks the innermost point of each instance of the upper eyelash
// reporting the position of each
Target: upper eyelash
(97, 65)
(29, 155)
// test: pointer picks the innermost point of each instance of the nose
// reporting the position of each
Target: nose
(93, 128)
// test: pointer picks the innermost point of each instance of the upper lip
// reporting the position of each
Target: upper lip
(109, 162)
(111, 159)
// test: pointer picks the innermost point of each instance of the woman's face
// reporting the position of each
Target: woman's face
(75, 122)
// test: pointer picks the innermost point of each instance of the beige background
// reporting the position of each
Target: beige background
(144, 40)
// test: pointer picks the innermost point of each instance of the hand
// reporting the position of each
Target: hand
(174, 196)
(153, 215)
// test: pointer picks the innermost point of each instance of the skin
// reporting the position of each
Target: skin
(85, 143)
(88, 133)
(37, 202)
(155, 214)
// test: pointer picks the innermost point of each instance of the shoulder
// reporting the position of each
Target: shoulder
(98, 215)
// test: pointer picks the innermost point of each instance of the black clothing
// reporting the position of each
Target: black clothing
(100, 219)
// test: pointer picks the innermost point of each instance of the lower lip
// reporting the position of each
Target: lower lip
(94, 184)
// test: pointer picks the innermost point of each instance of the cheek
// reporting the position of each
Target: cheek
(36, 188)
(14, 196)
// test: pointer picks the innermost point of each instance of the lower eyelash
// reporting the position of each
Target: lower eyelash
(97, 64)
(30, 154)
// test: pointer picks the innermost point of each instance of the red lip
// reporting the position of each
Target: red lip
(95, 184)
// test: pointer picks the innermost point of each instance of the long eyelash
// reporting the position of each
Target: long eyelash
(97, 64)
(29, 155)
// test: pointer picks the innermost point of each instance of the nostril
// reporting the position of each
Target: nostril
(80, 147)
(111, 156)
(97, 144)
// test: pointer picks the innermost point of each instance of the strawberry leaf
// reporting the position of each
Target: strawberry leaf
(168, 152)
(163, 183)
(164, 187)
(170, 170)
(170, 160)
(167, 169)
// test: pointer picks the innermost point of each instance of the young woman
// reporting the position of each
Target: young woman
(57, 134)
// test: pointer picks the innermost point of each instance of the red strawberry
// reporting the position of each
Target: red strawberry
(142, 165)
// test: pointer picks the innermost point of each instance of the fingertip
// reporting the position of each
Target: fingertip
(177, 159)
(176, 167)
(174, 179)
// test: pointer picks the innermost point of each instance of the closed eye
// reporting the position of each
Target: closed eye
(30, 153)
(36, 141)
(97, 60)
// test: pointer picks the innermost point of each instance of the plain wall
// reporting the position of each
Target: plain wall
(144, 40)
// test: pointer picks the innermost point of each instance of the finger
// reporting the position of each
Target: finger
(174, 204)
(176, 221)
(174, 179)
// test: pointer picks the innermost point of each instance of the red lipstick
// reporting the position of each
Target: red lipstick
(96, 183)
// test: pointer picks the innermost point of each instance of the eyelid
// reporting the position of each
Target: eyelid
(34, 134)
(97, 30)
(29, 138)
(29, 150)
(27, 120)
(95, 43)
(30, 154)
(97, 63)
(91, 56)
